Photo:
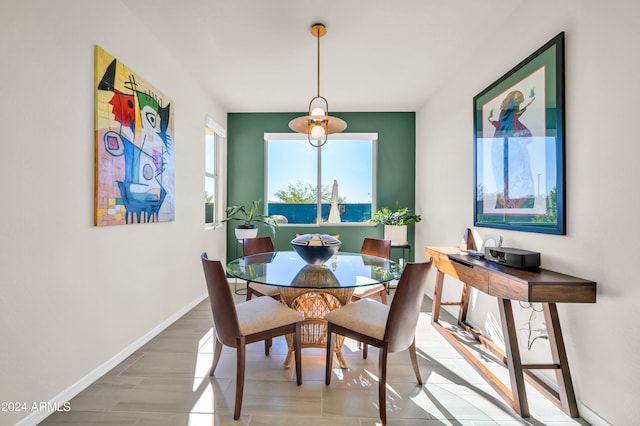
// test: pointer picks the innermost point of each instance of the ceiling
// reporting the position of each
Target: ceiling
(378, 55)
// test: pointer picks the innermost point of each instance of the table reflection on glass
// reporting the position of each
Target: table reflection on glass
(315, 289)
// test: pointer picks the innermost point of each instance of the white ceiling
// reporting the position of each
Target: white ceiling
(378, 55)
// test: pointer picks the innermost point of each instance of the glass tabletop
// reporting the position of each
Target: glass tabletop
(288, 269)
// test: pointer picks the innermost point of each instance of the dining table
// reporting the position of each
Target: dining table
(315, 289)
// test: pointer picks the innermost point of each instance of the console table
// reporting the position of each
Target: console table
(507, 284)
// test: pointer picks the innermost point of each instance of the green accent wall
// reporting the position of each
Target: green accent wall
(395, 171)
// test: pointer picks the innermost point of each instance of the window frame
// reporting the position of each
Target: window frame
(219, 135)
(370, 136)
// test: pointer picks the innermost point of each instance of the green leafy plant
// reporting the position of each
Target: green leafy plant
(249, 216)
(395, 216)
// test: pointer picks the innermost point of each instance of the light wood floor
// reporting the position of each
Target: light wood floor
(165, 383)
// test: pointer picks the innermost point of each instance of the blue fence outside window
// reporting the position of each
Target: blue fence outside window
(306, 213)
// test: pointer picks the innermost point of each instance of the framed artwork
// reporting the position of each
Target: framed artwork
(518, 146)
(134, 161)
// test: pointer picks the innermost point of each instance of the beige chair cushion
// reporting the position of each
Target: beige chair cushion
(264, 313)
(267, 290)
(365, 316)
(365, 291)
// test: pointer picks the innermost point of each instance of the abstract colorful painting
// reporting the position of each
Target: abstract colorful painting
(134, 167)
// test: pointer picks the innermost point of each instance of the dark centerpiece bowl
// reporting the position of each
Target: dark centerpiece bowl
(315, 276)
(315, 249)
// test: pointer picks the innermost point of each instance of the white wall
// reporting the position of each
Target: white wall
(602, 151)
(74, 296)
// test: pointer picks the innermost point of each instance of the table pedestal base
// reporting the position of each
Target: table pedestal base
(315, 303)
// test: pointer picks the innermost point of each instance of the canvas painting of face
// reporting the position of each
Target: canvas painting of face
(134, 147)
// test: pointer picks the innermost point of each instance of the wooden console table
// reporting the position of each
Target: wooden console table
(507, 284)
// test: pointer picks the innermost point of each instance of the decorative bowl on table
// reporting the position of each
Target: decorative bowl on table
(315, 276)
(315, 249)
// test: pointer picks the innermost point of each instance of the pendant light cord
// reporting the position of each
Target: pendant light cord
(318, 37)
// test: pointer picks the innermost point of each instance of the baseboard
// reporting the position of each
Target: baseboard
(590, 416)
(66, 395)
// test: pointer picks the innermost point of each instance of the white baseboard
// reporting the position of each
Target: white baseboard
(66, 395)
(591, 417)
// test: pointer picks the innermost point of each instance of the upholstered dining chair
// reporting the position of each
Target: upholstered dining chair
(379, 248)
(259, 245)
(247, 322)
(391, 328)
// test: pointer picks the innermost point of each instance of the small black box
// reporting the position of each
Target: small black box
(517, 258)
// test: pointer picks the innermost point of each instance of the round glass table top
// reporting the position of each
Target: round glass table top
(288, 269)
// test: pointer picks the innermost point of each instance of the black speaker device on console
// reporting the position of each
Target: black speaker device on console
(517, 258)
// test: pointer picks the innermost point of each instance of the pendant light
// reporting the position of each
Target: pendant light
(318, 124)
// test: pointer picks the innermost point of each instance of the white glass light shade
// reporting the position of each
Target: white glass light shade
(318, 112)
(317, 132)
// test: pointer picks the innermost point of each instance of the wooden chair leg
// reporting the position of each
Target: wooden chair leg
(297, 352)
(364, 348)
(329, 361)
(240, 355)
(267, 346)
(383, 296)
(249, 291)
(216, 356)
(414, 361)
(382, 384)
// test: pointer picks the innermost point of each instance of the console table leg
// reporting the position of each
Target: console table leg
(559, 354)
(464, 305)
(514, 363)
(437, 297)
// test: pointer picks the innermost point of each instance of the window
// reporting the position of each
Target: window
(327, 185)
(213, 138)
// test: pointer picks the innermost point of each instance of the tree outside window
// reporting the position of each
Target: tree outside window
(302, 180)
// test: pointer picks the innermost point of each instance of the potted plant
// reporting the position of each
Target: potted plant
(249, 217)
(395, 222)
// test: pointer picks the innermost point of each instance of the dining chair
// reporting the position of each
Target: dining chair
(391, 328)
(379, 248)
(247, 322)
(259, 245)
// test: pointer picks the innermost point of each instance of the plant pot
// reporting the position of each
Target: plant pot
(396, 233)
(246, 231)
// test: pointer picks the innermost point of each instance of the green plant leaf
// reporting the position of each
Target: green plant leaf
(249, 216)
(397, 216)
